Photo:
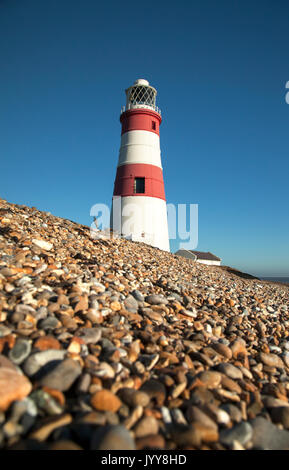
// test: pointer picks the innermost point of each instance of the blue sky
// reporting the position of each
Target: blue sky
(220, 69)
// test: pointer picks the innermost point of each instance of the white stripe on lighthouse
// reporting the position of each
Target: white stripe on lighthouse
(140, 147)
(140, 220)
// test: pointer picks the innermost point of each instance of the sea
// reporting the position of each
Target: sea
(284, 280)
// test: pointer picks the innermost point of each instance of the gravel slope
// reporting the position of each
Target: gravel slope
(113, 344)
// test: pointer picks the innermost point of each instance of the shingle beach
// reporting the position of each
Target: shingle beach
(111, 344)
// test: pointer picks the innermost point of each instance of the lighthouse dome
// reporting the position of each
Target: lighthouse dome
(141, 81)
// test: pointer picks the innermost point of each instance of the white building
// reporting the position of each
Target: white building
(200, 257)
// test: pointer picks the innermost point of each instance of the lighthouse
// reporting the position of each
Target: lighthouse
(139, 202)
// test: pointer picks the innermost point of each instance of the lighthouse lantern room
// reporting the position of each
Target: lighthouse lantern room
(139, 178)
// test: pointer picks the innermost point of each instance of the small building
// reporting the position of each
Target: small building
(200, 257)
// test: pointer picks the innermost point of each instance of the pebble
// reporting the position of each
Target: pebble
(272, 402)
(112, 438)
(149, 360)
(90, 335)
(65, 445)
(166, 415)
(154, 316)
(210, 379)
(133, 417)
(178, 389)
(146, 427)
(241, 432)
(195, 414)
(4, 331)
(187, 437)
(155, 390)
(47, 342)
(134, 397)
(280, 414)
(49, 323)
(62, 376)
(37, 361)
(131, 304)
(13, 386)
(104, 400)
(230, 370)
(42, 244)
(137, 295)
(154, 299)
(103, 369)
(20, 351)
(44, 431)
(46, 402)
(24, 412)
(178, 416)
(266, 436)
(151, 442)
(6, 363)
(84, 383)
(207, 434)
(271, 360)
(232, 410)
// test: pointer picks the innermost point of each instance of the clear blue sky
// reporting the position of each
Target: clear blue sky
(220, 68)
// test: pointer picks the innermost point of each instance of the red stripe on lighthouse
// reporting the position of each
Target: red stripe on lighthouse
(125, 177)
(140, 119)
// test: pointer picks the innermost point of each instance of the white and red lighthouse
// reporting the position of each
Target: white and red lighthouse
(139, 179)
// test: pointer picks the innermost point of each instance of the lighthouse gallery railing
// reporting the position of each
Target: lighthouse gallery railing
(139, 105)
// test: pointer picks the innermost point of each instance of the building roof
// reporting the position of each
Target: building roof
(205, 255)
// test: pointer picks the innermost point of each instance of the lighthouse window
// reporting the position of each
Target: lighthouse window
(153, 125)
(139, 185)
(142, 95)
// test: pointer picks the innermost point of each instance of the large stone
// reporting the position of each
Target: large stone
(13, 386)
(5, 362)
(196, 415)
(36, 361)
(241, 432)
(271, 360)
(47, 246)
(280, 414)
(186, 436)
(151, 442)
(65, 445)
(155, 390)
(156, 299)
(47, 342)
(210, 379)
(104, 400)
(146, 426)
(131, 304)
(133, 397)
(267, 436)
(90, 335)
(112, 438)
(63, 375)
(44, 431)
(20, 351)
(231, 371)
(222, 349)
(138, 295)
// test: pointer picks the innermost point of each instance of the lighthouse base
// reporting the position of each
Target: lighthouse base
(144, 219)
